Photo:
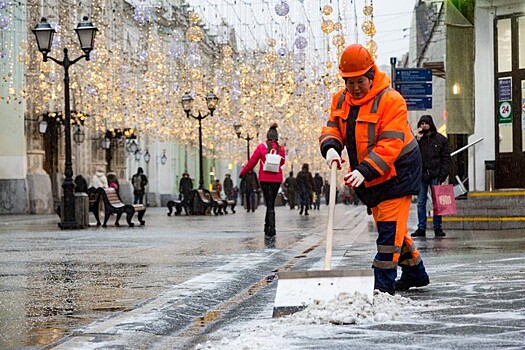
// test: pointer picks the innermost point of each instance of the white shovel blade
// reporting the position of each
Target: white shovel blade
(298, 289)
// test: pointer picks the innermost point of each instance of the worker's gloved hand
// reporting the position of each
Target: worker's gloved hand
(354, 179)
(333, 156)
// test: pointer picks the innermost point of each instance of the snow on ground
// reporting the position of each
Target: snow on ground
(316, 320)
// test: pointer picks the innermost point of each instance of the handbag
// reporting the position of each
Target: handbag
(443, 199)
(273, 162)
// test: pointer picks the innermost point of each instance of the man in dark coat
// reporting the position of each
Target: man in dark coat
(305, 188)
(318, 182)
(249, 188)
(435, 155)
(185, 191)
(139, 182)
(227, 186)
(290, 184)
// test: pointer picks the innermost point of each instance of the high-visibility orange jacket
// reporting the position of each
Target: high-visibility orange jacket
(381, 147)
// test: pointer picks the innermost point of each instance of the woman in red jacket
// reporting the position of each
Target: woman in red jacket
(270, 181)
(370, 119)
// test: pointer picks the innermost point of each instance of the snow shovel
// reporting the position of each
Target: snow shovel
(298, 289)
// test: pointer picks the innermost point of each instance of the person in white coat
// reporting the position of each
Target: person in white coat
(99, 179)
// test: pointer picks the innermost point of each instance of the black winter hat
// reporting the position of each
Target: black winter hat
(272, 133)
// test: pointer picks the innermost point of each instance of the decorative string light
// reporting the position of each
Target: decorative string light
(137, 83)
(369, 28)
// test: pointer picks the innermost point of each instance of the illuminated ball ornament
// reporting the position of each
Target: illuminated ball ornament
(338, 40)
(227, 50)
(282, 8)
(327, 10)
(271, 42)
(282, 51)
(194, 17)
(4, 22)
(142, 13)
(371, 46)
(194, 34)
(369, 27)
(327, 26)
(300, 28)
(368, 10)
(301, 42)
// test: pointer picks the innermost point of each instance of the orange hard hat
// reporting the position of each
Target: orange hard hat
(355, 61)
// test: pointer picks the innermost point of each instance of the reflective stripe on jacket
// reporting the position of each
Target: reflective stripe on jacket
(383, 140)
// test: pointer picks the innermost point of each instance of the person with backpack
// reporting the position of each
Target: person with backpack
(271, 178)
(139, 181)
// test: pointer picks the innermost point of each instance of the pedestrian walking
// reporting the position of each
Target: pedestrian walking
(227, 185)
(326, 191)
(305, 188)
(370, 119)
(318, 187)
(435, 155)
(139, 181)
(185, 192)
(270, 179)
(99, 179)
(290, 185)
(249, 188)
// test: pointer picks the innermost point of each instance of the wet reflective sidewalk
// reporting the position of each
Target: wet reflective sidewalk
(181, 282)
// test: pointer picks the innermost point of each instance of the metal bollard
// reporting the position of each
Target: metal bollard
(490, 169)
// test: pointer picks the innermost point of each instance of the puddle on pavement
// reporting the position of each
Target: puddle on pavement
(39, 305)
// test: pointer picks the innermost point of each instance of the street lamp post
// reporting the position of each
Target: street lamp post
(187, 103)
(44, 37)
(248, 138)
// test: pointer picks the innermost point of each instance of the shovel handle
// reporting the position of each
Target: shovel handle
(331, 213)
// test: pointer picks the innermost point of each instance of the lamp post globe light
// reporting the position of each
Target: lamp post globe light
(44, 37)
(187, 103)
(248, 138)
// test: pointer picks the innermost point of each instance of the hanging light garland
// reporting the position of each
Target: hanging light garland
(369, 28)
(139, 86)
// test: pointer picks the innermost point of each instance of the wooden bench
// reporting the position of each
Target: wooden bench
(217, 203)
(202, 203)
(109, 203)
(232, 203)
(180, 204)
(177, 204)
(94, 205)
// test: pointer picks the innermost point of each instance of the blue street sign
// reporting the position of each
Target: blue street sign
(413, 74)
(414, 89)
(418, 103)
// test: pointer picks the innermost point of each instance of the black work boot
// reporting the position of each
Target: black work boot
(405, 284)
(439, 232)
(419, 233)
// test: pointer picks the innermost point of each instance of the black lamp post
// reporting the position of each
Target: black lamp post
(248, 138)
(44, 38)
(187, 103)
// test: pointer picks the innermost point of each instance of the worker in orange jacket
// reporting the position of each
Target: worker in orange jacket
(370, 119)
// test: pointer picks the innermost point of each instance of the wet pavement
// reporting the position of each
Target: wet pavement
(183, 282)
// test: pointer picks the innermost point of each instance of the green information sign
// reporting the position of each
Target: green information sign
(505, 112)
